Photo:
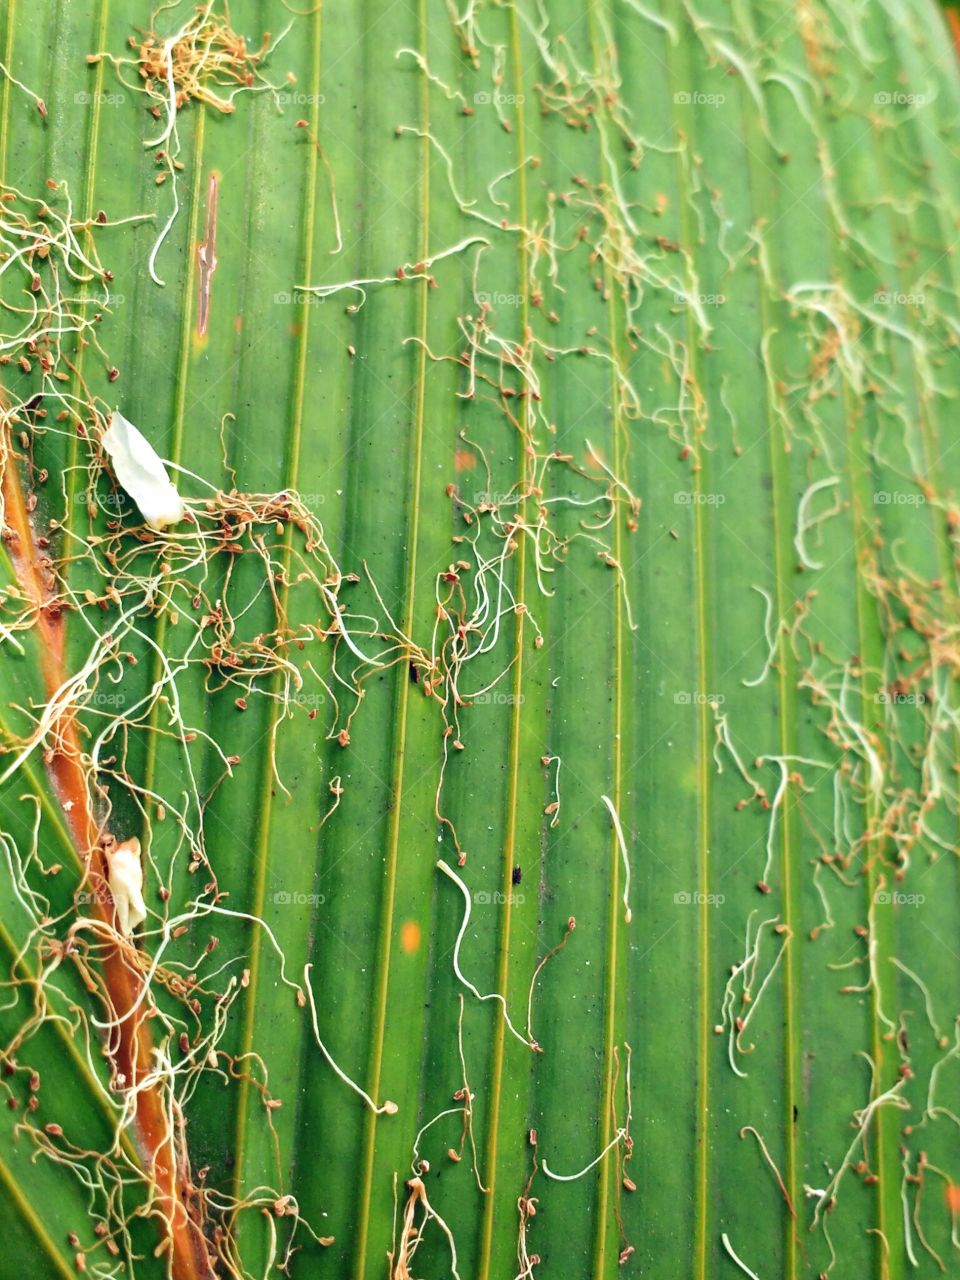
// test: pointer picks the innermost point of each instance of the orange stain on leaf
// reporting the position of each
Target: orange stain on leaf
(953, 1197)
(464, 460)
(410, 936)
(953, 22)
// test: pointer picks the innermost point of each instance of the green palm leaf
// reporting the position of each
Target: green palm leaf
(541, 733)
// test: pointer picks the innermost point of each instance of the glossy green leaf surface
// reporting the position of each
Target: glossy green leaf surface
(599, 361)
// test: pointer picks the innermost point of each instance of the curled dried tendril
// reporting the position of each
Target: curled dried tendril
(204, 61)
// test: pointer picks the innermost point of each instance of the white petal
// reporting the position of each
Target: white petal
(141, 471)
(125, 875)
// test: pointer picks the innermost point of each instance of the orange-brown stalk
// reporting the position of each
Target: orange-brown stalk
(129, 1047)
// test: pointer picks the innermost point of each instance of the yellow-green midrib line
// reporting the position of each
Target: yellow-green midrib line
(607, 1170)
(294, 436)
(513, 766)
(401, 714)
(704, 748)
